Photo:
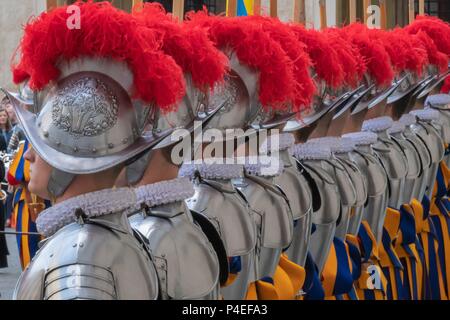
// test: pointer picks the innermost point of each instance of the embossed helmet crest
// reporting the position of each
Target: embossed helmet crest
(92, 85)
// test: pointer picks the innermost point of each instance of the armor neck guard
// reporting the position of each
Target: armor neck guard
(263, 166)
(285, 141)
(212, 171)
(379, 124)
(93, 204)
(164, 192)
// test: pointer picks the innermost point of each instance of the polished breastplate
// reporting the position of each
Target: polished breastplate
(187, 265)
(273, 218)
(326, 208)
(96, 258)
(298, 192)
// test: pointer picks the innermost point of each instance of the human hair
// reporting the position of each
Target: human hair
(3, 105)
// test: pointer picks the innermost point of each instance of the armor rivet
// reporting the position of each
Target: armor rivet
(110, 145)
(163, 278)
(125, 140)
(58, 142)
(163, 255)
(158, 130)
(94, 150)
(81, 245)
(74, 245)
(45, 134)
(75, 149)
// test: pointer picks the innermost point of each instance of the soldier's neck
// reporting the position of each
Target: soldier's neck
(354, 122)
(322, 126)
(87, 183)
(159, 168)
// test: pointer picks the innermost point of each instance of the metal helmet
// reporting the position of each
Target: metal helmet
(89, 119)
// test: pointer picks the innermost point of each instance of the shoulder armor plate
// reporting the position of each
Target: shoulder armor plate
(89, 261)
(185, 260)
(229, 213)
(328, 194)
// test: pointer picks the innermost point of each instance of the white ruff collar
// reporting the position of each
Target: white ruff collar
(285, 141)
(263, 166)
(397, 127)
(93, 204)
(311, 151)
(408, 119)
(362, 138)
(164, 192)
(212, 171)
(377, 124)
(426, 114)
(336, 144)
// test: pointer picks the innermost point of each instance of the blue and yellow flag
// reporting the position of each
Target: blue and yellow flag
(23, 202)
(244, 7)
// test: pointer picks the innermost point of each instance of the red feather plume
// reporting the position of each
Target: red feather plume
(324, 57)
(191, 49)
(352, 62)
(436, 29)
(446, 86)
(435, 57)
(305, 87)
(378, 60)
(256, 49)
(47, 40)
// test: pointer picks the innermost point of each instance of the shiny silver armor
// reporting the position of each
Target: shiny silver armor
(186, 262)
(95, 258)
(441, 103)
(431, 136)
(412, 156)
(298, 192)
(315, 159)
(342, 173)
(216, 198)
(417, 188)
(272, 216)
(392, 158)
(375, 178)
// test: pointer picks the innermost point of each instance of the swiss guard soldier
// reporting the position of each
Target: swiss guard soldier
(85, 130)
(253, 102)
(174, 234)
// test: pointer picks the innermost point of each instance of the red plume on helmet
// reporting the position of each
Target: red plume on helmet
(399, 47)
(257, 50)
(435, 57)
(446, 86)
(305, 87)
(105, 32)
(324, 57)
(351, 60)
(436, 29)
(378, 60)
(191, 49)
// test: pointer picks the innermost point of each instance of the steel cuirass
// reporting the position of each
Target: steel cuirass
(431, 137)
(375, 178)
(216, 198)
(271, 212)
(339, 172)
(95, 257)
(315, 159)
(441, 103)
(392, 158)
(186, 262)
(298, 193)
(417, 190)
(412, 157)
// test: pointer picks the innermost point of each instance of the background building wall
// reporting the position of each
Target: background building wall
(13, 15)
